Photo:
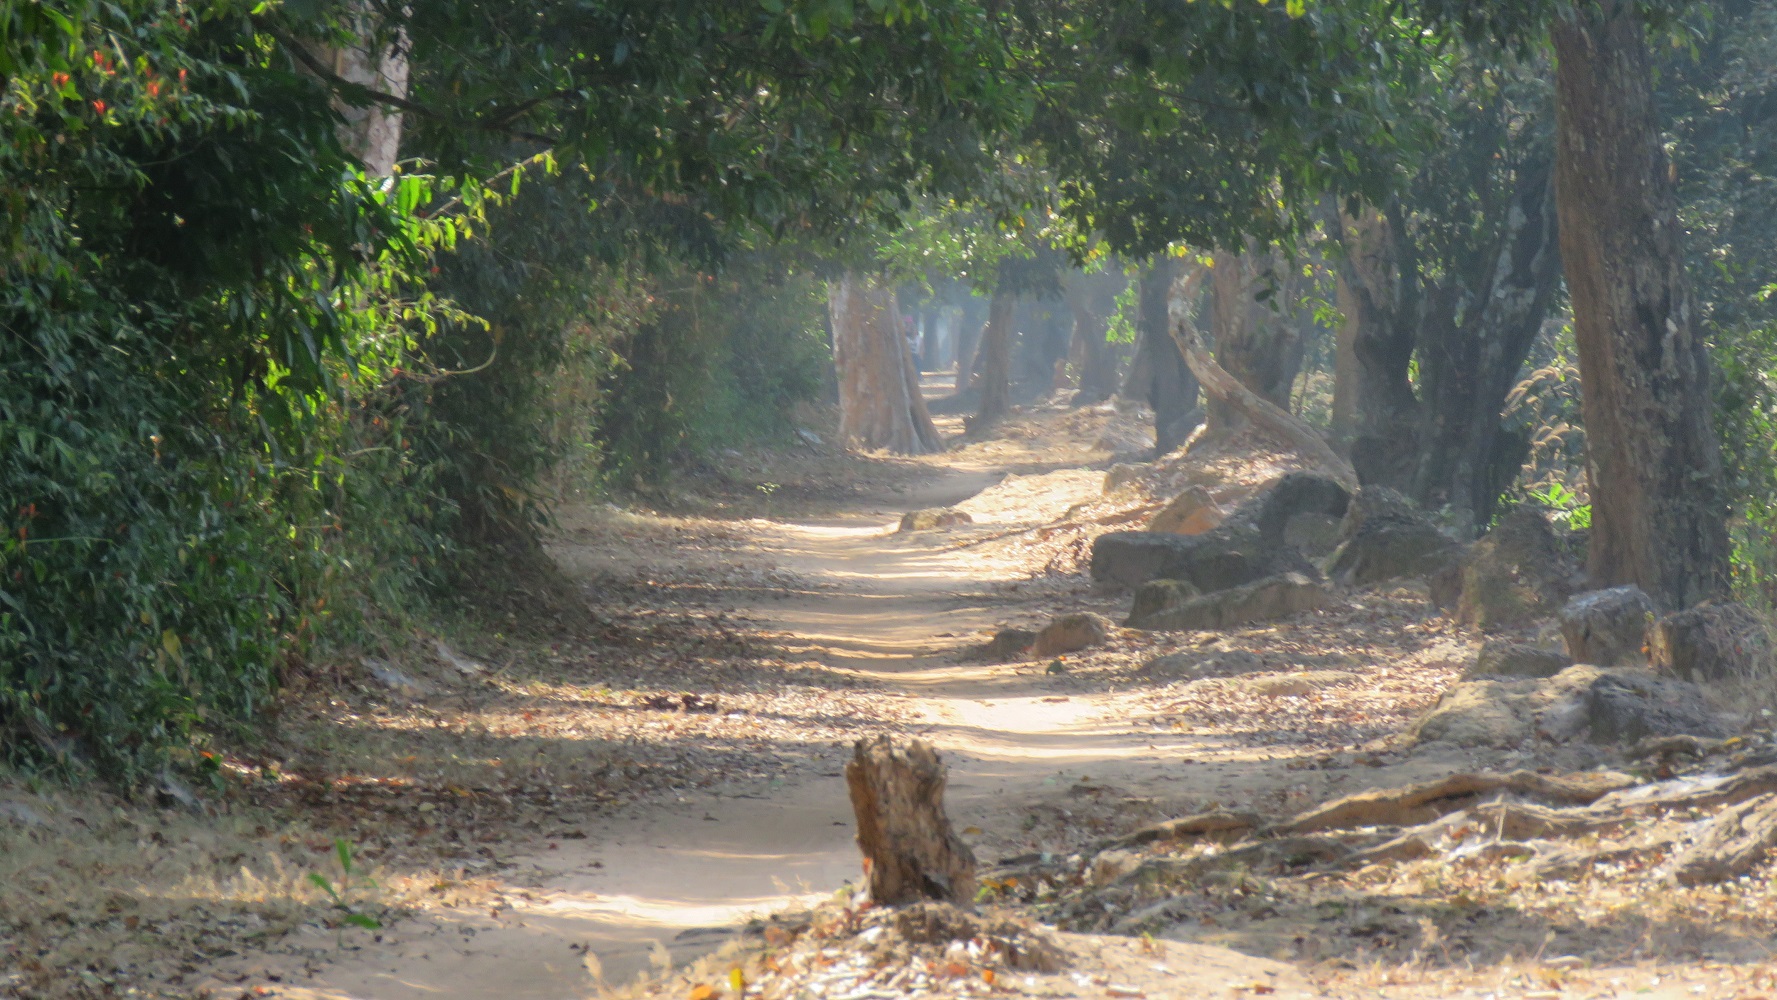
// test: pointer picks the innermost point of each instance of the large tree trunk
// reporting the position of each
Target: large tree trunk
(1379, 297)
(1345, 374)
(1468, 367)
(1658, 499)
(880, 405)
(373, 134)
(996, 362)
(1098, 371)
(1221, 388)
(1254, 343)
(1159, 374)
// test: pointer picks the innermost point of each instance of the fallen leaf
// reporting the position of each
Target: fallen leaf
(702, 991)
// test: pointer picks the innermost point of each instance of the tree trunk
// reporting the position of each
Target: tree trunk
(1098, 372)
(1158, 372)
(996, 362)
(1380, 300)
(880, 405)
(1468, 367)
(1658, 499)
(1253, 342)
(373, 134)
(1223, 389)
(910, 852)
(1345, 374)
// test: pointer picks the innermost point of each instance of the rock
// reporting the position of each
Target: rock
(1007, 644)
(1159, 595)
(1499, 658)
(1608, 628)
(1710, 642)
(1192, 512)
(1109, 866)
(1313, 535)
(1293, 495)
(1601, 705)
(1384, 537)
(1488, 713)
(1071, 633)
(1267, 599)
(934, 517)
(461, 664)
(388, 676)
(1625, 706)
(1297, 684)
(1123, 474)
(1229, 556)
(1201, 663)
(1515, 574)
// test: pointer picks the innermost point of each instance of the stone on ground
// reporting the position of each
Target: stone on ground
(1264, 600)
(1608, 628)
(1515, 574)
(1123, 474)
(1584, 701)
(1071, 633)
(1007, 644)
(1711, 642)
(934, 517)
(1192, 512)
(1385, 537)
(1229, 556)
(1501, 658)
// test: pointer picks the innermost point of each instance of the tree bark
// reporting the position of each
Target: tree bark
(1158, 373)
(880, 404)
(1658, 499)
(1466, 459)
(910, 852)
(996, 362)
(373, 134)
(1253, 342)
(1222, 388)
(1379, 286)
(1098, 373)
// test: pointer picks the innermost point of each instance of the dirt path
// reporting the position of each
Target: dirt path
(665, 879)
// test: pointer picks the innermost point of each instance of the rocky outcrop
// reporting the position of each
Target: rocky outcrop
(1265, 600)
(1515, 574)
(1250, 544)
(1385, 537)
(1192, 512)
(1710, 642)
(1229, 556)
(1499, 658)
(1608, 628)
(1071, 633)
(934, 517)
(1598, 704)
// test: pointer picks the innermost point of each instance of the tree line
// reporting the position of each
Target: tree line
(306, 303)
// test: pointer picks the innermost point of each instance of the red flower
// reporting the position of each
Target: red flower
(153, 88)
(61, 79)
(99, 106)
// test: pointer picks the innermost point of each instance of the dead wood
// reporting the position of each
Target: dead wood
(910, 851)
(1732, 843)
(1671, 746)
(1225, 388)
(1198, 825)
(1695, 792)
(1425, 801)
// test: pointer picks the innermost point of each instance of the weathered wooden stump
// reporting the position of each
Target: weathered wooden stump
(910, 851)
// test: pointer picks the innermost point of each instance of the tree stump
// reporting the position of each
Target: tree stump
(910, 852)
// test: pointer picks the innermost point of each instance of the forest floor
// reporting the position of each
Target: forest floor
(622, 774)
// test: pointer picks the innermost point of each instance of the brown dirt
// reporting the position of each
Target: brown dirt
(649, 756)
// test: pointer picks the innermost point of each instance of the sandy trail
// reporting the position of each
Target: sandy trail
(662, 880)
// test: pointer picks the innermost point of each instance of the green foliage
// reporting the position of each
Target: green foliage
(722, 362)
(352, 883)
